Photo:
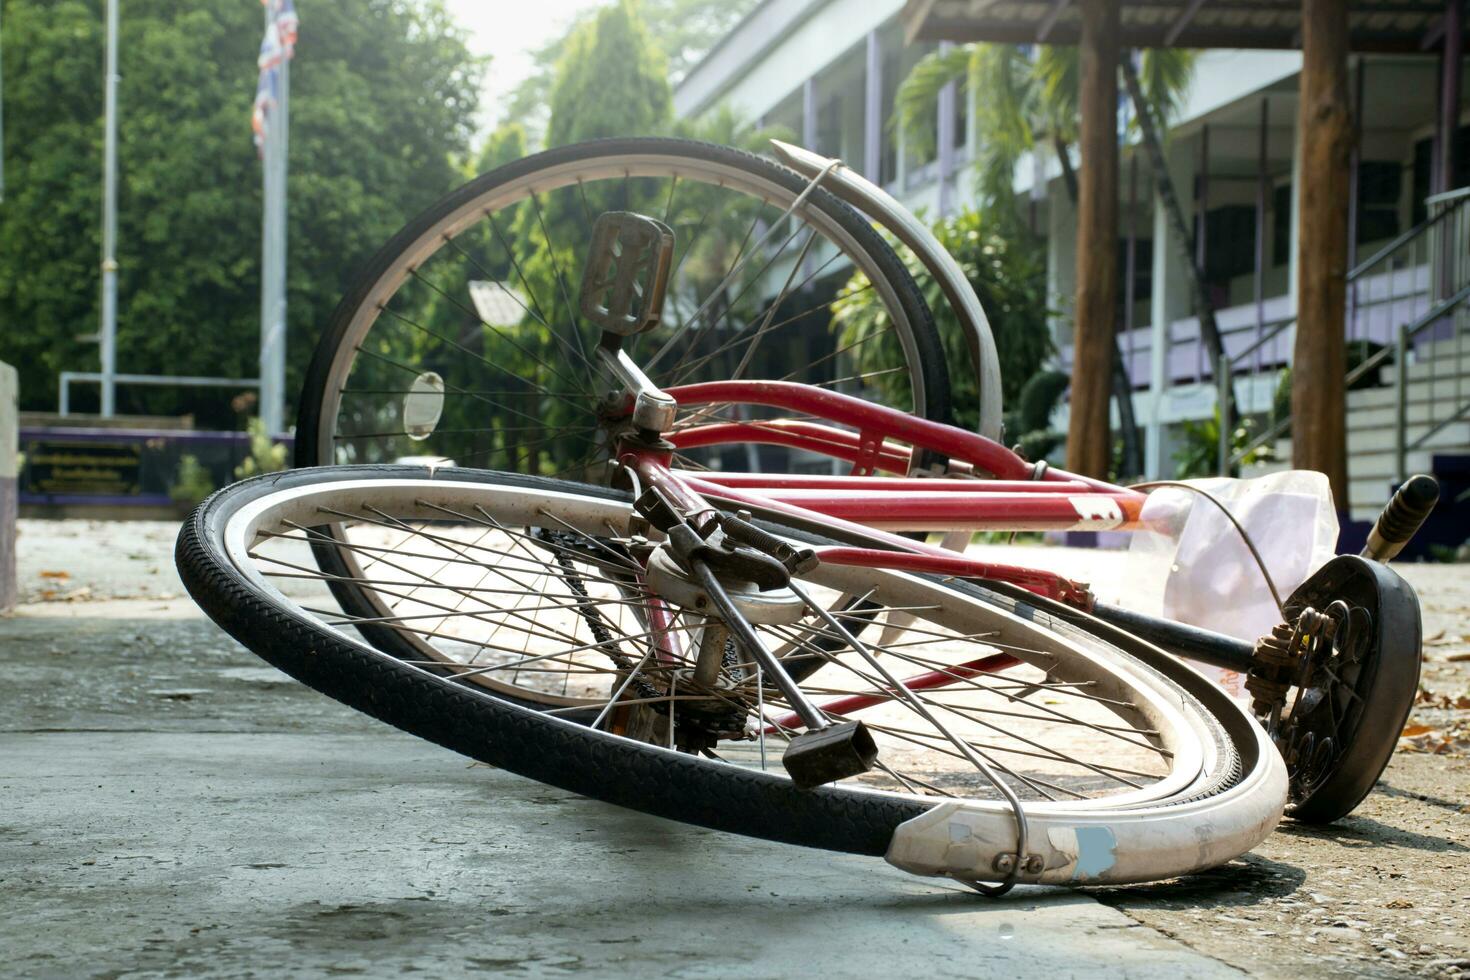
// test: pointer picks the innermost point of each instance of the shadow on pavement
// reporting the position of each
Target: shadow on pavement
(1246, 881)
(1361, 831)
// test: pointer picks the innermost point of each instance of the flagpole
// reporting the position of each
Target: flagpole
(273, 255)
(107, 334)
(2, 113)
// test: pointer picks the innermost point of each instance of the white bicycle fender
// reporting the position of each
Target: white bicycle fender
(961, 839)
(880, 206)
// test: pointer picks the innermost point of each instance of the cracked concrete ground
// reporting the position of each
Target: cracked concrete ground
(173, 807)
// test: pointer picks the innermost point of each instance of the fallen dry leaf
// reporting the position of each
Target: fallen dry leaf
(1458, 658)
(1433, 700)
(1453, 740)
(46, 574)
(75, 595)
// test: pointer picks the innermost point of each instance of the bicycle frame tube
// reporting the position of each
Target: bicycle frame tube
(692, 495)
(1021, 496)
(1024, 497)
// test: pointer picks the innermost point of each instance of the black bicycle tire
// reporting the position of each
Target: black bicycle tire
(490, 729)
(1386, 688)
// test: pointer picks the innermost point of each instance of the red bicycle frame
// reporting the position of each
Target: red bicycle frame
(1015, 495)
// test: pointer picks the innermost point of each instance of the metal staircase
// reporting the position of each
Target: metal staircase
(1413, 293)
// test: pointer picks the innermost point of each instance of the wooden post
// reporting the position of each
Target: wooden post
(1451, 51)
(1089, 439)
(1324, 126)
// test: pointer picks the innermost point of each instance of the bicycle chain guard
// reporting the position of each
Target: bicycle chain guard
(627, 273)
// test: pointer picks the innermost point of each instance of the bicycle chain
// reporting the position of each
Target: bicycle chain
(732, 719)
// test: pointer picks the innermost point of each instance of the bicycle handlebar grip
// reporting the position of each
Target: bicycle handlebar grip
(1403, 516)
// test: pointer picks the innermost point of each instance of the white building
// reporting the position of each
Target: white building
(828, 70)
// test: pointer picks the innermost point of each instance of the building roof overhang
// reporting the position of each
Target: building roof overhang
(1397, 26)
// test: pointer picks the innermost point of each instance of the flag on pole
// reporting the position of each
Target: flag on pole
(286, 24)
(277, 46)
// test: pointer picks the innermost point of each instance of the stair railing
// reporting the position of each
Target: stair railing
(1449, 283)
(1431, 260)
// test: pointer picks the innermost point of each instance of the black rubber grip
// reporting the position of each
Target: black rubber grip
(1410, 505)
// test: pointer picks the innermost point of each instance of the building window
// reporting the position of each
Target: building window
(961, 115)
(1230, 243)
(891, 77)
(1281, 225)
(1379, 184)
(1424, 169)
(1133, 304)
(1143, 270)
(829, 127)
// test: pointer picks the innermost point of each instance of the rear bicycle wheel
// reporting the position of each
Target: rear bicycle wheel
(564, 663)
(462, 340)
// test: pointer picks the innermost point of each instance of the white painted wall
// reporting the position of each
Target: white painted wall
(774, 50)
(784, 42)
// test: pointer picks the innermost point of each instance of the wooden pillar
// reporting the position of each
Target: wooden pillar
(1089, 439)
(1324, 127)
(1451, 51)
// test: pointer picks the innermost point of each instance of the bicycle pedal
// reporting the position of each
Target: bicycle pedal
(829, 754)
(627, 272)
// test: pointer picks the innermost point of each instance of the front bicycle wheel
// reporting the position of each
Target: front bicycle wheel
(462, 340)
(570, 657)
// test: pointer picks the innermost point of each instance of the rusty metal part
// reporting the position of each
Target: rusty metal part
(1285, 659)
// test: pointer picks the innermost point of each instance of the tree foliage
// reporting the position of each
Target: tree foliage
(1008, 275)
(383, 94)
(682, 31)
(507, 143)
(610, 81)
(1030, 97)
(532, 250)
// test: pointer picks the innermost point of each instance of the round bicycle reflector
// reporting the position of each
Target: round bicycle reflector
(423, 405)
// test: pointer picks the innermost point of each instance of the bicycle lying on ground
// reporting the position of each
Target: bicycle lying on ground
(767, 652)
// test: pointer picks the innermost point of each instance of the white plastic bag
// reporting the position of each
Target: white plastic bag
(1196, 569)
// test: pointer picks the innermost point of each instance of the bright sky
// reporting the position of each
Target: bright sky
(508, 31)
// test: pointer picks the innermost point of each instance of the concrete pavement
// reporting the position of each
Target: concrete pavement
(174, 807)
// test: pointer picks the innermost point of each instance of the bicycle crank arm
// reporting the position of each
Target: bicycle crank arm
(826, 751)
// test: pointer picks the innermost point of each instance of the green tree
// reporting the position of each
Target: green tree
(682, 30)
(537, 249)
(1029, 101)
(506, 144)
(383, 98)
(1031, 98)
(611, 80)
(1008, 276)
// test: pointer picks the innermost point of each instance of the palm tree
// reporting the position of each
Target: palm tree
(1030, 102)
